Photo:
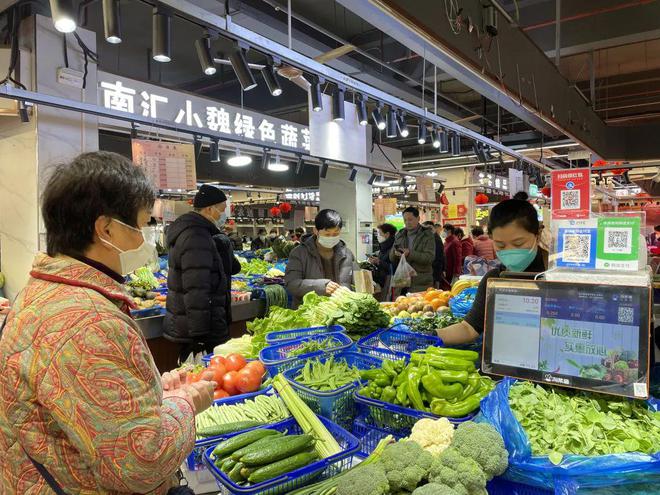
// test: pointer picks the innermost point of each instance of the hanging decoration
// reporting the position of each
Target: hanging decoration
(604, 163)
(443, 199)
(275, 211)
(286, 208)
(481, 199)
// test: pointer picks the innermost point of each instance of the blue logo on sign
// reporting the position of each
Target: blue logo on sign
(570, 185)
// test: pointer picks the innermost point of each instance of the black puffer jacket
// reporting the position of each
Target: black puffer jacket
(197, 284)
(230, 265)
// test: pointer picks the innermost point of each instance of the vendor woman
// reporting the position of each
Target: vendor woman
(514, 228)
(322, 263)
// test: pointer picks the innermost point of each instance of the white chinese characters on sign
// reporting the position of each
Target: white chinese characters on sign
(289, 135)
(244, 126)
(149, 103)
(267, 131)
(117, 97)
(217, 119)
(189, 115)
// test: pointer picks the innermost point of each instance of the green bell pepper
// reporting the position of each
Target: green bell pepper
(402, 394)
(388, 368)
(444, 363)
(434, 385)
(453, 353)
(473, 384)
(414, 395)
(388, 394)
(441, 407)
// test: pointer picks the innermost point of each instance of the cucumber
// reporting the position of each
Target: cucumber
(280, 448)
(255, 445)
(284, 466)
(232, 444)
(247, 471)
(223, 429)
(228, 465)
(235, 473)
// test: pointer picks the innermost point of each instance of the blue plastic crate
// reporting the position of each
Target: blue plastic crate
(195, 458)
(288, 335)
(337, 405)
(369, 436)
(500, 486)
(382, 343)
(397, 420)
(277, 358)
(147, 312)
(299, 477)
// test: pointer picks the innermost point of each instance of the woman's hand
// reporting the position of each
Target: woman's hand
(331, 287)
(374, 261)
(199, 394)
(174, 379)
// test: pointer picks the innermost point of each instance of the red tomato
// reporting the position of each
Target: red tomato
(229, 382)
(216, 360)
(235, 362)
(218, 372)
(220, 394)
(248, 380)
(257, 365)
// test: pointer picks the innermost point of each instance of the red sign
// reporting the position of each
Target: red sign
(571, 193)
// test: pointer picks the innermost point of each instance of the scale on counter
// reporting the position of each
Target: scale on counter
(580, 335)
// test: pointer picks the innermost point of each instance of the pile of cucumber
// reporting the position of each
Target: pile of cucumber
(261, 455)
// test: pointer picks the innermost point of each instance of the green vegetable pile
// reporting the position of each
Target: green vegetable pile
(560, 422)
(283, 248)
(143, 278)
(255, 266)
(438, 380)
(327, 376)
(314, 345)
(427, 325)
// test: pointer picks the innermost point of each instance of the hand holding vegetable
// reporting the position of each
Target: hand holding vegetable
(174, 379)
(199, 394)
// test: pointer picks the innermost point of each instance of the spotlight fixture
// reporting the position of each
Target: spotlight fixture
(401, 124)
(317, 97)
(64, 15)
(270, 77)
(324, 169)
(403, 182)
(238, 160)
(352, 174)
(264, 159)
(203, 47)
(456, 144)
(381, 182)
(391, 123)
(23, 112)
(242, 69)
(444, 140)
(338, 104)
(363, 118)
(421, 135)
(214, 151)
(378, 117)
(435, 138)
(277, 165)
(299, 165)
(372, 179)
(111, 21)
(161, 42)
(441, 188)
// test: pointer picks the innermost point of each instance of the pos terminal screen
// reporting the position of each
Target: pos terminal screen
(588, 336)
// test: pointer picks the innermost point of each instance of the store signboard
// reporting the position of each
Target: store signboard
(571, 193)
(175, 107)
(169, 166)
(425, 190)
(383, 207)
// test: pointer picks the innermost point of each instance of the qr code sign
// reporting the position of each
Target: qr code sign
(570, 199)
(618, 241)
(577, 248)
(626, 314)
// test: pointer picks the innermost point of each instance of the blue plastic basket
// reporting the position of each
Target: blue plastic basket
(277, 359)
(195, 458)
(397, 420)
(382, 343)
(147, 312)
(299, 477)
(369, 436)
(288, 335)
(500, 486)
(337, 405)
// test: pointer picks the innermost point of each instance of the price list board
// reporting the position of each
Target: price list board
(169, 166)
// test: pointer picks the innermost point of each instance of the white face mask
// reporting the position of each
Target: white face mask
(132, 259)
(220, 222)
(328, 242)
(381, 238)
(262, 237)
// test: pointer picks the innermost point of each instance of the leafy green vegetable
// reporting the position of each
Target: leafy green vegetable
(143, 278)
(560, 422)
(255, 266)
(359, 313)
(330, 375)
(314, 345)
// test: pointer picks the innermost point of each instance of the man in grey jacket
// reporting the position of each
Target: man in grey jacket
(321, 263)
(417, 243)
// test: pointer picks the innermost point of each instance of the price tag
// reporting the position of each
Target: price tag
(639, 389)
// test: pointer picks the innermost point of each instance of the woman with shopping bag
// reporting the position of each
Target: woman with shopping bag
(416, 245)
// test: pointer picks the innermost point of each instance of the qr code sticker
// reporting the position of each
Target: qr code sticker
(577, 248)
(618, 241)
(570, 199)
(626, 314)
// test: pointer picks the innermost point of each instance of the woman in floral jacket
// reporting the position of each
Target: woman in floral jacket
(80, 396)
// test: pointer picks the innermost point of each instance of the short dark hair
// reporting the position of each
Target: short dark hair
(300, 230)
(273, 231)
(521, 196)
(328, 219)
(477, 231)
(413, 210)
(449, 228)
(91, 185)
(261, 231)
(429, 223)
(387, 228)
(657, 228)
(458, 232)
(514, 210)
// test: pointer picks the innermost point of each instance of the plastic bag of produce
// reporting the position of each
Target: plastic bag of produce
(612, 474)
(403, 274)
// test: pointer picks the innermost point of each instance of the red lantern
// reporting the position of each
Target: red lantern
(286, 208)
(546, 192)
(275, 211)
(481, 199)
(443, 199)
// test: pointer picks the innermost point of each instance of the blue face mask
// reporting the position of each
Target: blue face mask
(517, 260)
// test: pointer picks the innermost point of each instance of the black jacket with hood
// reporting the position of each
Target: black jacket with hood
(197, 284)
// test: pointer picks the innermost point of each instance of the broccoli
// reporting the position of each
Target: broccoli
(364, 480)
(459, 472)
(435, 489)
(406, 465)
(482, 442)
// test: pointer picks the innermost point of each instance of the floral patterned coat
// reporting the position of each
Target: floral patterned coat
(80, 393)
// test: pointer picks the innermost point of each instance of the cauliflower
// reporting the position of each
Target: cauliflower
(482, 442)
(406, 465)
(461, 473)
(364, 480)
(435, 489)
(433, 435)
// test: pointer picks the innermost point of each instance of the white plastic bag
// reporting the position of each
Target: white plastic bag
(403, 274)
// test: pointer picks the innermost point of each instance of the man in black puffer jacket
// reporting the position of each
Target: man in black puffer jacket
(196, 314)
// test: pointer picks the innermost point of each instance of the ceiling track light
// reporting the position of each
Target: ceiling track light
(372, 179)
(277, 165)
(203, 48)
(338, 104)
(299, 165)
(111, 21)
(352, 174)
(264, 159)
(161, 42)
(391, 128)
(435, 139)
(214, 151)
(403, 182)
(363, 118)
(316, 95)
(421, 135)
(64, 15)
(23, 112)
(270, 77)
(324, 169)
(241, 69)
(378, 117)
(456, 144)
(402, 125)
(238, 159)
